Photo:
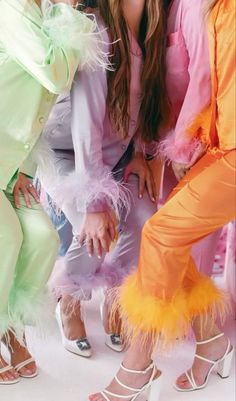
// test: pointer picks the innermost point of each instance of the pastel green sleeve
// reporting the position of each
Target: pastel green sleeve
(28, 167)
(36, 43)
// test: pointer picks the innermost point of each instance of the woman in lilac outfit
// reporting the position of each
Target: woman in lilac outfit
(106, 186)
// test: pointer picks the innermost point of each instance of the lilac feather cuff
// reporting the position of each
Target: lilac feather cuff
(105, 277)
(87, 189)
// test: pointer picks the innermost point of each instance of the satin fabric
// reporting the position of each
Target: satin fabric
(167, 291)
(28, 248)
(188, 81)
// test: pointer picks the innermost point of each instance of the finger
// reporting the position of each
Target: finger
(150, 187)
(112, 230)
(141, 185)
(82, 237)
(26, 197)
(178, 176)
(176, 173)
(16, 197)
(105, 241)
(181, 175)
(97, 247)
(33, 193)
(89, 247)
(126, 175)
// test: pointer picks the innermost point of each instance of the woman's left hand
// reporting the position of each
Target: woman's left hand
(139, 167)
(24, 186)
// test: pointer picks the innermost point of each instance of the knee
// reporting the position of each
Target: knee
(155, 228)
(141, 212)
(46, 238)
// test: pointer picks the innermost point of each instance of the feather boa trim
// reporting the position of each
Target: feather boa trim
(106, 276)
(182, 151)
(71, 29)
(26, 308)
(146, 315)
(182, 148)
(87, 188)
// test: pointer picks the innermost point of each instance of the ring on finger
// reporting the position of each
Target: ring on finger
(29, 186)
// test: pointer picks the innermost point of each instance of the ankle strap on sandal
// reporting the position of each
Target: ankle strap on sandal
(210, 339)
(151, 366)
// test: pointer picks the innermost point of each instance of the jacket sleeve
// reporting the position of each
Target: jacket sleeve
(88, 101)
(184, 139)
(92, 186)
(51, 46)
(28, 167)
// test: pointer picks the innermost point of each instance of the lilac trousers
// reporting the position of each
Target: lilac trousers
(77, 273)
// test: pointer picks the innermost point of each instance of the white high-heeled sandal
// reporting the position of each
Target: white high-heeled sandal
(7, 382)
(80, 347)
(23, 365)
(151, 389)
(223, 366)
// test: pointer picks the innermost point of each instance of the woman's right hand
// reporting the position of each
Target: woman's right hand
(98, 231)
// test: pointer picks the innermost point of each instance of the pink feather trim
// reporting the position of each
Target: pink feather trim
(181, 151)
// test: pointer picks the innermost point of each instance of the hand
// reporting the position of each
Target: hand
(98, 230)
(24, 186)
(198, 154)
(139, 166)
(180, 170)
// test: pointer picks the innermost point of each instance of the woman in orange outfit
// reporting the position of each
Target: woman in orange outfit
(167, 293)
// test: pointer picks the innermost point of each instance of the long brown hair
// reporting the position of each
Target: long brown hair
(154, 109)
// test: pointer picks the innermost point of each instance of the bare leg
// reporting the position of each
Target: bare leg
(138, 357)
(212, 350)
(73, 324)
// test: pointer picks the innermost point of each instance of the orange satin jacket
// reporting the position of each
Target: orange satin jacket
(222, 35)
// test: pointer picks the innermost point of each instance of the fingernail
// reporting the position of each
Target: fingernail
(153, 199)
(90, 255)
(99, 257)
(140, 196)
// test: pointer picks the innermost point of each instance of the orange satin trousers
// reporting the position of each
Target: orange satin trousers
(167, 291)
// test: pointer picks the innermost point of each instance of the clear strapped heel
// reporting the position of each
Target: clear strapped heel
(149, 392)
(222, 366)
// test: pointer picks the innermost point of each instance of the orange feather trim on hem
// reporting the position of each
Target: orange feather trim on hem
(151, 317)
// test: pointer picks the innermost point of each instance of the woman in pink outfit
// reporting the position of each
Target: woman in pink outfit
(189, 89)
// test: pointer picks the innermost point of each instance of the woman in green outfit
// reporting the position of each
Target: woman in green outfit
(40, 50)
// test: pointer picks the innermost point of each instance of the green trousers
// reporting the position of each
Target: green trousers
(28, 248)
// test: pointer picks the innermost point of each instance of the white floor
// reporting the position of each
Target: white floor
(66, 377)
